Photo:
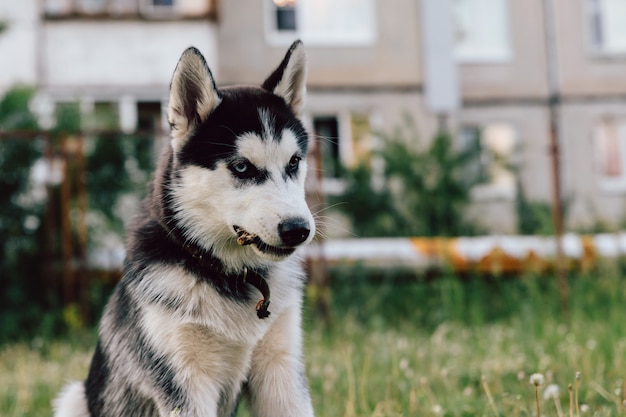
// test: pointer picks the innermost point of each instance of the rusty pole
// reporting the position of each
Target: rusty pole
(81, 228)
(554, 100)
(66, 227)
(318, 270)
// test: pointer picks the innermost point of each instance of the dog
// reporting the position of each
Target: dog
(208, 310)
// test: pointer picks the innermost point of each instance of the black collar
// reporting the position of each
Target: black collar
(206, 261)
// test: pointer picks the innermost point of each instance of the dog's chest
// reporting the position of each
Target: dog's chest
(178, 299)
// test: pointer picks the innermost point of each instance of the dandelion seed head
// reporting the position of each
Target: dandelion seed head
(552, 391)
(437, 409)
(584, 408)
(537, 379)
(578, 376)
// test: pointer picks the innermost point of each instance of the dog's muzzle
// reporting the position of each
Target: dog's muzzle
(292, 232)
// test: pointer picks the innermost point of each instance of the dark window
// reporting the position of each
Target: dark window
(149, 116)
(285, 15)
(327, 133)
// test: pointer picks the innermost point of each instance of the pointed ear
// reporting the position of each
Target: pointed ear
(289, 79)
(193, 96)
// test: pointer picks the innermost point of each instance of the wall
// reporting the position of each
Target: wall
(524, 75)
(18, 43)
(582, 72)
(392, 59)
(81, 54)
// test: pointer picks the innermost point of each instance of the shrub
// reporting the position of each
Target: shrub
(424, 190)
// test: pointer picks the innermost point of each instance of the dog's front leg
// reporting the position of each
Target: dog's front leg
(208, 371)
(277, 383)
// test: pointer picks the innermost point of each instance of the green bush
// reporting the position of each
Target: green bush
(424, 190)
(117, 169)
(21, 234)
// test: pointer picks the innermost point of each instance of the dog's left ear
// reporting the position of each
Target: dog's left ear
(289, 79)
(193, 96)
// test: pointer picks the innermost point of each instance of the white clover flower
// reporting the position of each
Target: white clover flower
(552, 391)
(584, 408)
(537, 379)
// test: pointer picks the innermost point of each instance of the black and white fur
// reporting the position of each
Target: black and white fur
(180, 335)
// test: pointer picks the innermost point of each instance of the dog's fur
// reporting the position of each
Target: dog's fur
(181, 334)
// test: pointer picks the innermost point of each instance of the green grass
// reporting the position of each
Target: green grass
(32, 373)
(404, 347)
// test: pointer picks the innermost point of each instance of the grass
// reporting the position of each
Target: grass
(401, 347)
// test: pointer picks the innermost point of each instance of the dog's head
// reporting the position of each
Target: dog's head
(239, 161)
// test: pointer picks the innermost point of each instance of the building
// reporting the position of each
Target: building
(366, 72)
(114, 56)
(514, 57)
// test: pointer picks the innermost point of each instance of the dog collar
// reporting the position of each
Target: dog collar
(206, 260)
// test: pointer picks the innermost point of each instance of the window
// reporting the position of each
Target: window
(481, 30)
(149, 118)
(609, 143)
(116, 8)
(326, 22)
(326, 131)
(341, 142)
(157, 7)
(285, 14)
(92, 6)
(495, 145)
(607, 32)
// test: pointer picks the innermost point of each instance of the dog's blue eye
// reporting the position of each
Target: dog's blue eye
(241, 167)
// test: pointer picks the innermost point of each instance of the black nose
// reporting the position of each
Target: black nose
(294, 231)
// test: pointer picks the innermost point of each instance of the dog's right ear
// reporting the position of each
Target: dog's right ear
(193, 96)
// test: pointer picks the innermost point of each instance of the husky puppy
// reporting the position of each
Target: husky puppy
(188, 329)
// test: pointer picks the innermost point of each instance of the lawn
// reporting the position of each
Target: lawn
(403, 346)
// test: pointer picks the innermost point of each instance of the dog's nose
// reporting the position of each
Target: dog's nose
(294, 231)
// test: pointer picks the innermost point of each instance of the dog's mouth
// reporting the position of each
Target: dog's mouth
(245, 238)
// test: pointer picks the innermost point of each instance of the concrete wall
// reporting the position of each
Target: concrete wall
(524, 75)
(495, 211)
(18, 43)
(393, 59)
(590, 202)
(120, 54)
(582, 71)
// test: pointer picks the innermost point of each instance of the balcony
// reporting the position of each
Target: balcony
(130, 9)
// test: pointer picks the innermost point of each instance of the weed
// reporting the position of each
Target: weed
(402, 347)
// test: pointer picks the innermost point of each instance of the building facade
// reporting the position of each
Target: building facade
(114, 56)
(366, 75)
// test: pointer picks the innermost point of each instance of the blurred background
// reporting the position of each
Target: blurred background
(471, 139)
